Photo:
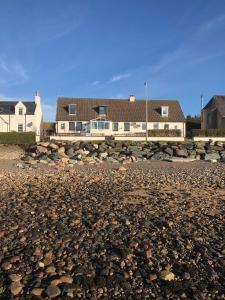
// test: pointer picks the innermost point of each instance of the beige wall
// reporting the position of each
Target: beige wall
(135, 127)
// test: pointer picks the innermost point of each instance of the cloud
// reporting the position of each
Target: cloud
(211, 24)
(49, 112)
(120, 77)
(97, 82)
(12, 73)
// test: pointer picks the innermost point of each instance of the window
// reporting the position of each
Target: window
(175, 127)
(155, 126)
(79, 126)
(115, 126)
(126, 126)
(62, 126)
(20, 127)
(165, 111)
(20, 111)
(72, 126)
(100, 125)
(102, 110)
(166, 126)
(72, 109)
(143, 126)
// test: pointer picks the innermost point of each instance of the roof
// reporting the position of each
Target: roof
(8, 107)
(119, 110)
(217, 102)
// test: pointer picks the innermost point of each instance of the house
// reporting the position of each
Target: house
(114, 117)
(21, 116)
(213, 114)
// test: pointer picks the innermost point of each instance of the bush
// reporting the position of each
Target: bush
(17, 138)
(164, 133)
(220, 132)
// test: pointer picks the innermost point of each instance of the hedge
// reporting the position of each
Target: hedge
(17, 138)
(209, 132)
(164, 132)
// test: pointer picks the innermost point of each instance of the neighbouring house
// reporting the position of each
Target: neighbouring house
(114, 117)
(21, 116)
(213, 114)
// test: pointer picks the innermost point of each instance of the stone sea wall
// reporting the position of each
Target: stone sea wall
(122, 152)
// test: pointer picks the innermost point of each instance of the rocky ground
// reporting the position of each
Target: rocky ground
(150, 230)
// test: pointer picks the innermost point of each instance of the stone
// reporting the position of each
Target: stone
(42, 149)
(16, 288)
(66, 279)
(212, 156)
(6, 266)
(167, 275)
(53, 291)
(122, 169)
(37, 291)
(15, 277)
(53, 146)
(181, 152)
(169, 151)
(160, 156)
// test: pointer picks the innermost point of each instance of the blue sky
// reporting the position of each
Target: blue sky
(103, 48)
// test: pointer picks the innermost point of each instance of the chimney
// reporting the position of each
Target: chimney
(37, 98)
(132, 98)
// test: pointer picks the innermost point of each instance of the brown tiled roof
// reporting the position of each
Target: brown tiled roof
(217, 102)
(119, 110)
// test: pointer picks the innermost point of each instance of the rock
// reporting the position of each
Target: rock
(66, 279)
(212, 156)
(15, 277)
(103, 155)
(37, 291)
(160, 156)
(181, 152)
(6, 266)
(16, 288)
(42, 149)
(152, 277)
(167, 275)
(61, 151)
(53, 291)
(53, 146)
(169, 151)
(121, 168)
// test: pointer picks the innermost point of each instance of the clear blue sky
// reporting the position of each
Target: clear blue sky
(105, 48)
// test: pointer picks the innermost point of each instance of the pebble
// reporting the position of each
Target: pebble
(16, 288)
(167, 275)
(53, 291)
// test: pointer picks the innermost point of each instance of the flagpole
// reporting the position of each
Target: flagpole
(146, 108)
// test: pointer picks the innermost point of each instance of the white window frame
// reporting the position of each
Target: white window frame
(155, 125)
(20, 111)
(113, 126)
(127, 130)
(166, 125)
(19, 130)
(62, 126)
(165, 114)
(75, 106)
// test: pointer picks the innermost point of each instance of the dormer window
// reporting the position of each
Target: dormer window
(102, 110)
(72, 109)
(20, 111)
(165, 111)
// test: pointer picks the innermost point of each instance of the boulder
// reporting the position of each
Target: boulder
(181, 152)
(42, 149)
(169, 151)
(160, 156)
(212, 156)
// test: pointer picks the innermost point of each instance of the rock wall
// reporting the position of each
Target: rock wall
(123, 152)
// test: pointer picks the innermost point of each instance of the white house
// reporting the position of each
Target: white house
(116, 117)
(21, 116)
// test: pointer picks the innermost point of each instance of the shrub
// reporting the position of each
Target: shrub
(17, 138)
(220, 132)
(164, 132)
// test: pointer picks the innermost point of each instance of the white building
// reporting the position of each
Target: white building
(116, 117)
(21, 116)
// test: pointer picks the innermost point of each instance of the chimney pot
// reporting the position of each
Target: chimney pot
(132, 98)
